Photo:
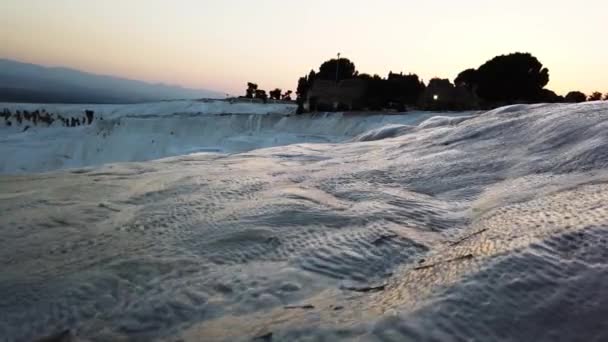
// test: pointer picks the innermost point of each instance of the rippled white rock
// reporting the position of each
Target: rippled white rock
(490, 227)
(122, 133)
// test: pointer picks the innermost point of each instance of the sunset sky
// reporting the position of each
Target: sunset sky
(222, 44)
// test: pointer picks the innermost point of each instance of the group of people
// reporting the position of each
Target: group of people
(43, 117)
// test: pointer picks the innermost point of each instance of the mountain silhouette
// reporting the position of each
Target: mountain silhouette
(23, 82)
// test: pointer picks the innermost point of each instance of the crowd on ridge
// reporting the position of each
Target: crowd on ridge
(42, 117)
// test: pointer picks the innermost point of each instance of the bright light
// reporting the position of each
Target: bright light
(435, 97)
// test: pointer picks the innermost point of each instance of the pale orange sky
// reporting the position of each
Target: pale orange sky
(222, 44)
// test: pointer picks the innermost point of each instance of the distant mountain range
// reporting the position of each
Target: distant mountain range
(22, 82)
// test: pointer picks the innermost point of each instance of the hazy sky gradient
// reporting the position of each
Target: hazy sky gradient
(222, 44)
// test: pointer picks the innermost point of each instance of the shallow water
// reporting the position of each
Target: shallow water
(489, 228)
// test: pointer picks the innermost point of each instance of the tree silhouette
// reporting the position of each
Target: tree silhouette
(275, 94)
(507, 78)
(548, 96)
(312, 76)
(287, 95)
(302, 88)
(342, 69)
(575, 97)
(467, 78)
(304, 84)
(261, 94)
(251, 89)
(376, 95)
(606, 97)
(595, 96)
(512, 77)
(403, 89)
(396, 91)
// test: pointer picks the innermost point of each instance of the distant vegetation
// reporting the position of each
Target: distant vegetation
(508, 78)
(575, 97)
(253, 92)
(394, 91)
(502, 80)
(595, 96)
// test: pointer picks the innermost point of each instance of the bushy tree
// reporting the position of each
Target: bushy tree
(467, 78)
(251, 89)
(287, 95)
(404, 89)
(606, 97)
(549, 96)
(517, 76)
(440, 83)
(595, 96)
(302, 89)
(575, 97)
(507, 78)
(312, 76)
(261, 94)
(396, 91)
(304, 84)
(342, 68)
(275, 94)
(376, 94)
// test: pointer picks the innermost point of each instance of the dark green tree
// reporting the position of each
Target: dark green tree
(549, 96)
(251, 89)
(575, 97)
(261, 94)
(287, 95)
(403, 89)
(513, 77)
(467, 78)
(302, 88)
(304, 84)
(376, 94)
(508, 78)
(342, 69)
(595, 96)
(275, 94)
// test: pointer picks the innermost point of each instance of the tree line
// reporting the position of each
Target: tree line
(395, 91)
(516, 77)
(505, 79)
(253, 92)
